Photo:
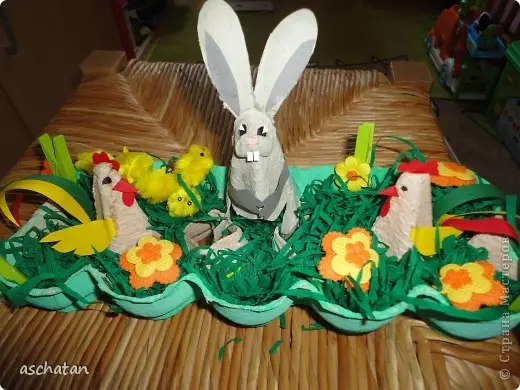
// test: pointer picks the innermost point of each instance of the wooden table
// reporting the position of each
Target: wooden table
(162, 108)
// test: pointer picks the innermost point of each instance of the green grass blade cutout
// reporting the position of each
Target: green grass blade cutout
(515, 306)
(364, 140)
(9, 272)
(63, 159)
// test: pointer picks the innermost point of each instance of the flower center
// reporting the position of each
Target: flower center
(454, 167)
(457, 278)
(357, 254)
(352, 175)
(149, 253)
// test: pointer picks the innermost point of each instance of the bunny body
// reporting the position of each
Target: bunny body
(254, 194)
(259, 185)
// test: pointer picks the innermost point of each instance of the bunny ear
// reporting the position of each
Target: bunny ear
(225, 54)
(285, 57)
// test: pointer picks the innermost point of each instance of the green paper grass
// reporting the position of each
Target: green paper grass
(257, 273)
(283, 323)
(222, 350)
(275, 346)
(312, 326)
(34, 259)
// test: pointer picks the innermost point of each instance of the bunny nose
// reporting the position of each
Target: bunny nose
(251, 140)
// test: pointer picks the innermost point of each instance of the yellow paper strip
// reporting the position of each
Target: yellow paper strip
(424, 238)
(51, 191)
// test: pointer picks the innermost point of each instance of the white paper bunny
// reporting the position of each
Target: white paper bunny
(259, 184)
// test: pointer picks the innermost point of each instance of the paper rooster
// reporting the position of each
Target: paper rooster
(120, 221)
(406, 218)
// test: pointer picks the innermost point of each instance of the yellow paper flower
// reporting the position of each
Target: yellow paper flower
(346, 255)
(354, 173)
(451, 174)
(85, 162)
(134, 165)
(152, 260)
(471, 285)
(156, 186)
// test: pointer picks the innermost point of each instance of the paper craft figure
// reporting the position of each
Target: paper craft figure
(120, 221)
(259, 185)
(406, 219)
(497, 256)
(409, 204)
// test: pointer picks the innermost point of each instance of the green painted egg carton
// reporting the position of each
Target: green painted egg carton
(89, 285)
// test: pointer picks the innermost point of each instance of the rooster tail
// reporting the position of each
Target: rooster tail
(84, 239)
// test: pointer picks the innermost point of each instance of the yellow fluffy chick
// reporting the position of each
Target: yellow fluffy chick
(180, 204)
(157, 185)
(85, 161)
(194, 165)
(134, 165)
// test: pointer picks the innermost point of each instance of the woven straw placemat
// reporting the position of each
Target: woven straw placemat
(162, 108)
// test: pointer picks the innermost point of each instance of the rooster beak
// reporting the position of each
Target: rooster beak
(125, 187)
(390, 191)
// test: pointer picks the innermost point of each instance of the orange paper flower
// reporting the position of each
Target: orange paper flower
(152, 260)
(453, 175)
(346, 255)
(471, 285)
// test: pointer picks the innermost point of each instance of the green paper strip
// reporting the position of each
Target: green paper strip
(462, 195)
(283, 323)
(63, 159)
(189, 192)
(81, 196)
(413, 153)
(17, 295)
(48, 150)
(364, 140)
(313, 326)
(275, 346)
(11, 273)
(515, 306)
(222, 349)
(486, 314)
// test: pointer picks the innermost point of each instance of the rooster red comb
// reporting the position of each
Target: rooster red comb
(415, 166)
(102, 157)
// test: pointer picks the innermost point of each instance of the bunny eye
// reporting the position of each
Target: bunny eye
(242, 130)
(107, 180)
(261, 131)
(189, 203)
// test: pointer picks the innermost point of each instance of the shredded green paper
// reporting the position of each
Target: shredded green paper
(258, 273)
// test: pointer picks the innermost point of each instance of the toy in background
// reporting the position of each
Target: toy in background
(466, 50)
(259, 185)
(508, 86)
(507, 14)
(508, 126)
(503, 110)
